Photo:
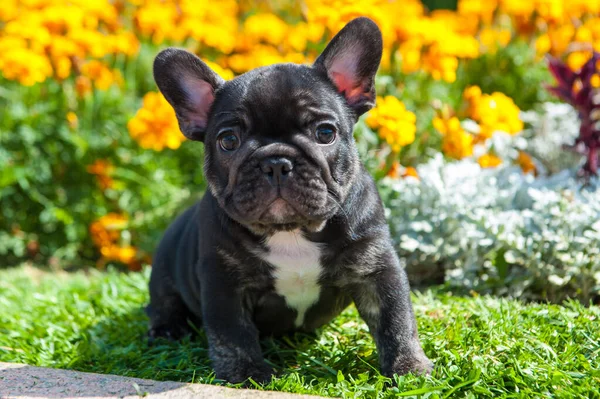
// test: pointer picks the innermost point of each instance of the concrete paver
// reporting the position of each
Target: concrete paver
(25, 382)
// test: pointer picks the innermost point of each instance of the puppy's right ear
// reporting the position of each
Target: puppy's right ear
(189, 85)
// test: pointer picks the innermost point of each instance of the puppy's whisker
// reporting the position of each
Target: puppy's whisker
(331, 196)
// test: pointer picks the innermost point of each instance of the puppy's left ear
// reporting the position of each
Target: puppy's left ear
(351, 60)
(189, 85)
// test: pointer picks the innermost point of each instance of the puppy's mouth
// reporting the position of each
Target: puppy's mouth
(281, 215)
(279, 211)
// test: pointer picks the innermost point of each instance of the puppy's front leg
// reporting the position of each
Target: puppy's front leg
(233, 339)
(383, 301)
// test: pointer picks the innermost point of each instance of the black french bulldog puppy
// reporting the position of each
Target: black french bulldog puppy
(292, 229)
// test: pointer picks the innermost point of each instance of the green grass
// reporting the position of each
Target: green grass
(482, 346)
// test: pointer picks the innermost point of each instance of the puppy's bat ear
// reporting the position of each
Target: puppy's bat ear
(351, 60)
(189, 85)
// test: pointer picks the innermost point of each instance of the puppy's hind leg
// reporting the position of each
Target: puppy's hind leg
(169, 315)
(168, 312)
(170, 319)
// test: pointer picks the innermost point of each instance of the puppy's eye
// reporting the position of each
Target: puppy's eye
(325, 133)
(228, 140)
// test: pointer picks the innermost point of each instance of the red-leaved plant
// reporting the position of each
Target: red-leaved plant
(581, 90)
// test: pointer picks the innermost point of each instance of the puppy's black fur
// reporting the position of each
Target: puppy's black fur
(280, 157)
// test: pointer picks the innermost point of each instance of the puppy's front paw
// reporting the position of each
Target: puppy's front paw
(237, 373)
(416, 364)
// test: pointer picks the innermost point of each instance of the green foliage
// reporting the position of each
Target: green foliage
(48, 198)
(514, 70)
(483, 347)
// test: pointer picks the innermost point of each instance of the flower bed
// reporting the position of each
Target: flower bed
(498, 230)
(93, 167)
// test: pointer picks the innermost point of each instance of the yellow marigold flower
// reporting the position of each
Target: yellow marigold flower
(577, 59)
(472, 93)
(155, 126)
(156, 19)
(439, 65)
(62, 67)
(410, 53)
(489, 161)
(560, 38)
(72, 120)
(551, 10)
(260, 55)
(578, 8)
(584, 34)
(125, 255)
(297, 37)
(62, 46)
(395, 124)
(493, 112)
(25, 66)
(100, 75)
(125, 43)
(595, 81)
(92, 42)
(518, 8)
(456, 142)
(543, 44)
(482, 10)
(266, 27)
(225, 73)
(456, 22)
(491, 39)
(9, 10)
(213, 26)
(526, 163)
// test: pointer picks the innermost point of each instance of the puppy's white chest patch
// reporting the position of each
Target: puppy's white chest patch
(297, 269)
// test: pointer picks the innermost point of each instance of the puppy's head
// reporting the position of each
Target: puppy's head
(279, 151)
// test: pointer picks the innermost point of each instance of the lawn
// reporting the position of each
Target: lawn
(482, 346)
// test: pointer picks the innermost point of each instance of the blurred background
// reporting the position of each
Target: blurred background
(93, 166)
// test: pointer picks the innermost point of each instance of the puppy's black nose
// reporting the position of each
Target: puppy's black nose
(276, 169)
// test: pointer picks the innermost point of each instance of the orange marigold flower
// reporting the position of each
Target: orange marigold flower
(106, 230)
(456, 142)
(102, 169)
(83, 85)
(525, 161)
(155, 126)
(106, 234)
(394, 171)
(409, 171)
